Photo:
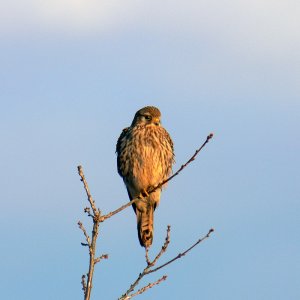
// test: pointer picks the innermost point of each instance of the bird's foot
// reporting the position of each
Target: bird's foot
(143, 194)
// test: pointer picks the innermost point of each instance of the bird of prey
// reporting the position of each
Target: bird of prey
(145, 157)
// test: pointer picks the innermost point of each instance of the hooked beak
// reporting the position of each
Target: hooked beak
(156, 121)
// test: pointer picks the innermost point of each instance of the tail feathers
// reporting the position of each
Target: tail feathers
(145, 226)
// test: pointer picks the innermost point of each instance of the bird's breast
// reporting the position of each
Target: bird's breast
(146, 156)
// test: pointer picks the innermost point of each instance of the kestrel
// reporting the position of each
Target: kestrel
(145, 157)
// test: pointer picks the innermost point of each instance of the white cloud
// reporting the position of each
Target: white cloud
(266, 26)
(65, 16)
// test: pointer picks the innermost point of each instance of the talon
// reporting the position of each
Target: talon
(143, 194)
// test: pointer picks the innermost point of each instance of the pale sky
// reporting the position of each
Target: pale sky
(73, 74)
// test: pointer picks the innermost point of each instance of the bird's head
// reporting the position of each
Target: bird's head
(148, 115)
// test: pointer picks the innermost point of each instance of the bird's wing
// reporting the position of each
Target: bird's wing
(118, 148)
(131, 198)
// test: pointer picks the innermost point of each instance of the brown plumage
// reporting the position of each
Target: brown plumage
(145, 157)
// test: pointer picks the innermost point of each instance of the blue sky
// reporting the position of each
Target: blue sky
(73, 73)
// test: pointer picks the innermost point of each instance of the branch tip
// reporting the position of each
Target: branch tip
(98, 259)
(153, 189)
(210, 136)
(182, 253)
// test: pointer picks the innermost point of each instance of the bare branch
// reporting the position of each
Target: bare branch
(83, 283)
(98, 218)
(91, 243)
(88, 240)
(183, 253)
(103, 256)
(153, 189)
(103, 218)
(132, 286)
(150, 264)
(145, 288)
(148, 268)
(163, 248)
(183, 166)
(92, 253)
(86, 187)
(148, 261)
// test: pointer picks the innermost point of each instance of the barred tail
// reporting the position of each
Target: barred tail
(145, 225)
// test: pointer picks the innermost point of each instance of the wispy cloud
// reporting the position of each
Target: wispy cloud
(270, 26)
(65, 16)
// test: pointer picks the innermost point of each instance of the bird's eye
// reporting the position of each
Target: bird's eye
(148, 118)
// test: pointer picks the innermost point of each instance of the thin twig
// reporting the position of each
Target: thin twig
(163, 248)
(148, 261)
(150, 264)
(103, 218)
(147, 287)
(103, 256)
(88, 240)
(86, 187)
(132, 286)
(183, 253)
(153, 189)
(83, 283)
(146, 270)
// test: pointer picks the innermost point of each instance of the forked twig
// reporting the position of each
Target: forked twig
(91, 243)
(163, 248)
(150, 264)
(145, 288)
(183, 253)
